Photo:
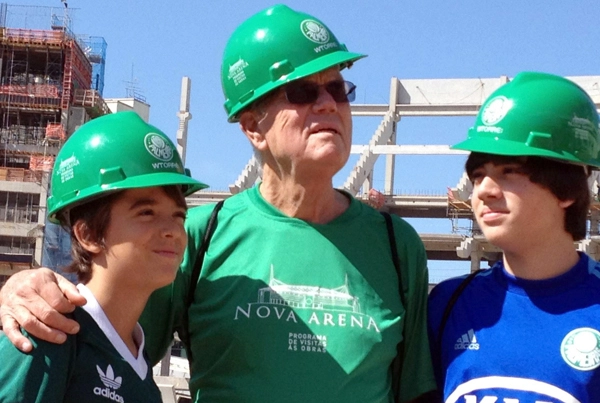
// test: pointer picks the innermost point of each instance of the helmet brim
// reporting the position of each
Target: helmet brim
(340, 58)
(189, 186)
(511, 148)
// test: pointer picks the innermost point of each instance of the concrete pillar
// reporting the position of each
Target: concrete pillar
(476, 255)
(390, 159)
(368, 184)
(165, 364)
(39, 233)
(594, 222)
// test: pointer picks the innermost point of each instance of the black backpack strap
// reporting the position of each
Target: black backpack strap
(210, 229)
(392, 238)
(448, 310)
(397, 363)
(208, 233)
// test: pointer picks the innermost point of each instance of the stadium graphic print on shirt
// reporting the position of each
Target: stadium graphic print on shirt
(315, 306)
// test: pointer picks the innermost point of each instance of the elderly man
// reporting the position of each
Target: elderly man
(296, 298)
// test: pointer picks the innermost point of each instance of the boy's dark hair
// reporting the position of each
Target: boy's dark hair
(96, 217)
(565, 181)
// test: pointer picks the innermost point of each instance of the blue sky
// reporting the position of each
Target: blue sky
(159, 42)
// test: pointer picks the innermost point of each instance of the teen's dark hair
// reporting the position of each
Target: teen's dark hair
(95, 217)
(565, 181)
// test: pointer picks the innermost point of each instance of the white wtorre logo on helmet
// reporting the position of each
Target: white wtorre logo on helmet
(109, 380)
(495, 110)
(158, 147)
(315, 31)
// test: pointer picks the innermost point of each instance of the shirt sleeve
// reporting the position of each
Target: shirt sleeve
(437, 303)
(417, 371)
(40, 376)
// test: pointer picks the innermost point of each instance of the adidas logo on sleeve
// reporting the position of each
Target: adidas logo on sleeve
(467, 341)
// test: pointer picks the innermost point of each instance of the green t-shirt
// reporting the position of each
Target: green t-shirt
(86, 368)
(287, 310)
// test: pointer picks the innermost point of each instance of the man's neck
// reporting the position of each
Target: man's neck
(317, 202)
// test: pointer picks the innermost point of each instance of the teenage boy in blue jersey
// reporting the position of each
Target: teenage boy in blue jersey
(528, 329)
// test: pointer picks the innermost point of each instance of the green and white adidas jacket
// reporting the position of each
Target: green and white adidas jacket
(88, 367)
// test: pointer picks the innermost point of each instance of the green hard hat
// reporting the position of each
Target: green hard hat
(538, 114)
(273, 47)
(114, 152)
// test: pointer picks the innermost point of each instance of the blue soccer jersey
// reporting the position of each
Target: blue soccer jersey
(519, 341)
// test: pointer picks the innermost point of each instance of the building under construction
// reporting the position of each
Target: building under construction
(51, 82)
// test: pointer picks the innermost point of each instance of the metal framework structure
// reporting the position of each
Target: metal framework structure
(427, 98)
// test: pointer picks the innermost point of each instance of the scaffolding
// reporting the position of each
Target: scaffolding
(92, 101)
(77, 72)
(51, 82)
(94, 47)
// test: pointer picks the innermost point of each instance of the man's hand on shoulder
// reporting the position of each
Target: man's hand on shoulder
(36, 300)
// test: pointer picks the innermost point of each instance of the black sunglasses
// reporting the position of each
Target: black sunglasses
(306, 92)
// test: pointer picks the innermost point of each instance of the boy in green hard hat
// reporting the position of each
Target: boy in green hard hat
(297, 296)
(118, 187)
(528, 329)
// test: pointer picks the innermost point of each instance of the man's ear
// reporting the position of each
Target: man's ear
(249, 124)
(83, 236)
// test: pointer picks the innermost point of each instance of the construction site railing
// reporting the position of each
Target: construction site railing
(90, 99)
(23, 215)
(16, 134)
(20, 175)
(32, 36)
